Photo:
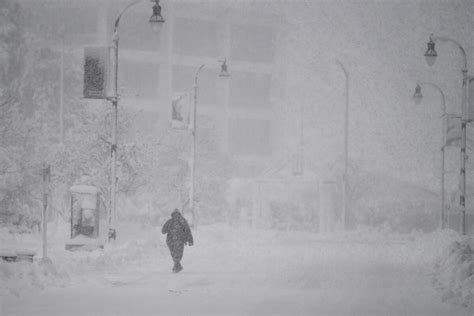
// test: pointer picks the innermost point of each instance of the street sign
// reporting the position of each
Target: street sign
(453, 131)
(96, 70)
(181, 107)
(470, 102)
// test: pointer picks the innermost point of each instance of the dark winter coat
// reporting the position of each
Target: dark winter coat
(177, 229)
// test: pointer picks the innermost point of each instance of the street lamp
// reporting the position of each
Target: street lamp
(430, 58)
(156, 20)
(417, 97)
(225, 74)
(346, 146)
(431, 54)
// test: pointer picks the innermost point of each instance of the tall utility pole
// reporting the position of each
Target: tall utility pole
(462, 197)
(224, 74)
(417, 97)
(193, 149)
(156, 21)
(61, 93)
(431, 55)
(113, 149)
(345, 187)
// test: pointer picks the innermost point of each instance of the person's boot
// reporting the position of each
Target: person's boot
(178, 267)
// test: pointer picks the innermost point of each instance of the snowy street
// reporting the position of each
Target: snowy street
(232, 271)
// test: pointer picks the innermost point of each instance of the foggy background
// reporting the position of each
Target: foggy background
(275, 125)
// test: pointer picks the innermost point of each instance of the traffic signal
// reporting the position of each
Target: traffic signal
(96, 72)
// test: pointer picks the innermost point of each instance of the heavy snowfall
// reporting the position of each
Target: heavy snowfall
(248, 157)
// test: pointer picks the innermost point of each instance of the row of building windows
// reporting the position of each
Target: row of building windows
(247, 89)
(85, 25)
(249, 137)
(200, 38)
(79, 24)
(242, 136)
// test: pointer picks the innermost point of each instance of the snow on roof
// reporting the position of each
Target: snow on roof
(84, 189)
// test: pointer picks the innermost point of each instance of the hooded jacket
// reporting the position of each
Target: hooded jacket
(177, 229)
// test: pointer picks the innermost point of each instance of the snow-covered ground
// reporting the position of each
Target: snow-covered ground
(232, 270)
(454, 273)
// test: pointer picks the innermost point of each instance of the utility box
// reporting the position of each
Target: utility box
(84, 217)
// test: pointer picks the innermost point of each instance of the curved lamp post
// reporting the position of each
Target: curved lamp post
(430, 56)
(417, 97)
(156, 20)
(346, 146)
(224, 73)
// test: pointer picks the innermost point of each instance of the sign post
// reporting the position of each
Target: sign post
(46, 175)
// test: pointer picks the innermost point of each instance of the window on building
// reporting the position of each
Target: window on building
(252, 43)
(139, 79)
(195, 37)
(250, 90)
(76, 23)
(249, 137)
(183, 81)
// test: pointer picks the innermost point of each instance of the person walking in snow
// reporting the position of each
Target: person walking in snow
(179, 234)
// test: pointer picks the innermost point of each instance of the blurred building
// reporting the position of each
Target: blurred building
(243, 111)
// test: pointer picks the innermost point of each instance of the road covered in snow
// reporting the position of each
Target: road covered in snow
(243, 272)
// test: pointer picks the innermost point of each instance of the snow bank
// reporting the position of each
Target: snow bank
(454, 273)
(135, 245)
(20, 277)
(68, 267)
(72, 267)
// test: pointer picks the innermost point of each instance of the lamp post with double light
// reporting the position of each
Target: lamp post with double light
(224, 74)
(156, 21)
(417, 97)
(430, 56)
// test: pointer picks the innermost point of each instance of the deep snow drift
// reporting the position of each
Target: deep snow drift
(454, 273)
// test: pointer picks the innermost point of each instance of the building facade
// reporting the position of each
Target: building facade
(243, 110)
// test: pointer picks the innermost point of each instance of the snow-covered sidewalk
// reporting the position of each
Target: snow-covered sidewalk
(233, 271)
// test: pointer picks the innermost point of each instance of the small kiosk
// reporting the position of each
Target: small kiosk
(84, 218)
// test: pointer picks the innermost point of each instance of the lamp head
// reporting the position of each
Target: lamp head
(417, 96)
(431, 54)
(224, 72)
(156, 20)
